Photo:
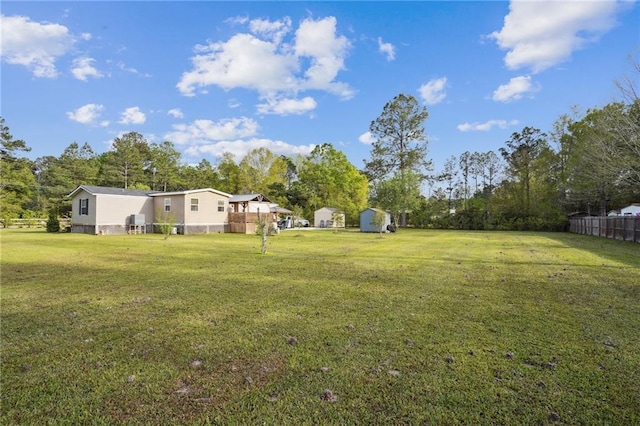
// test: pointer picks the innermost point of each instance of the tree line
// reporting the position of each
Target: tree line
(588, 162)
(325, 177)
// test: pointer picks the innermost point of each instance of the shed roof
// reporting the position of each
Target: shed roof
(331, 209)
(374, 209)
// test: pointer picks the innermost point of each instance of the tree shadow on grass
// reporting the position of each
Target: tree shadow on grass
(625, 252)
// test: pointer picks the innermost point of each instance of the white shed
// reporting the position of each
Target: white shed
(632, 210)
(366, 219)
(326, 218)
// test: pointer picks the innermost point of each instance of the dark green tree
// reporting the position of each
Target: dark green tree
(520, 154)
(164, 167)
(229, 174)
(400, 145)
(332, 181)
(131, 157)
(53, 223)
(18, 185)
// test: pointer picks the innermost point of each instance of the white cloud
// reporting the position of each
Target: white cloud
(175, 113)
(262, 61)
(35, 45)
(486, 126)
(271, 30)
(318, 40)
(240, 148)
(242, 61)
(132, 115)
(433, 92)
(514, 89)
(240, 20)
(541, 34)
(205, 131)
(83, 68)
(287, 106)
(366, 138)
(387, 48)
(87, 114)
(132, 70)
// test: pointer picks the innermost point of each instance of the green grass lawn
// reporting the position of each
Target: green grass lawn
(418, 327)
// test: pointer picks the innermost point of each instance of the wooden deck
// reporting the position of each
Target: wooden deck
(246, 223)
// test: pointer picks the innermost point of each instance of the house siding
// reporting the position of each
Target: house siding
(177, 207)
(114, 212)
(85, 224)
(205, 221)
(108, 214)
(207, 209)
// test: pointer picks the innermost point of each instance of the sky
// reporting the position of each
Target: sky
(215, 77)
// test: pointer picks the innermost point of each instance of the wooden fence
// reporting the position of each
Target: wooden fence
(32, 223)
(625, 228)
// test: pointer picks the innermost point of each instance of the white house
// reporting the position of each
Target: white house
(632, 210)
(366, 220)
(328, 217)
(103, 210)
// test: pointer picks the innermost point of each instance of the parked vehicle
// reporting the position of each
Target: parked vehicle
(293, 222)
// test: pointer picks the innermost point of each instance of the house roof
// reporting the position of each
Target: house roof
(243, 198)
(104, 190)
(190, 191)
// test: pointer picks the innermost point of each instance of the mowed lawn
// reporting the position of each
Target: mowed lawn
(418, 327)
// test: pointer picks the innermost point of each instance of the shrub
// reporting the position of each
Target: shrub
(53, 223)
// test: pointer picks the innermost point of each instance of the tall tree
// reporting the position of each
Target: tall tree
(17, 180)
(465, 167)
(260, 169)
(53, 182)
(449, 177)
(131, 155)
(476, 170)
(229, 174)
(400, 145)
(521, 152)
(332, 181)
(202, 175)
(164, 167)
(605, 163)
(80, 165)
(493, 167)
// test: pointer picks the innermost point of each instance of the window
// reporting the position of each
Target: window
(167, 204)
(84, 206)
(221, 206)
(194, 204)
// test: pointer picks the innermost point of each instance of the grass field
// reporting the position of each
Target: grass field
(418, 327)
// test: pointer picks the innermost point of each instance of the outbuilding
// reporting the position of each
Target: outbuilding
(328, 217)
(632, 210)
(366, 220)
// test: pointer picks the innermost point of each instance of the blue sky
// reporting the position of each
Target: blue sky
(232, 76)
